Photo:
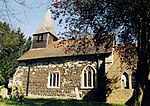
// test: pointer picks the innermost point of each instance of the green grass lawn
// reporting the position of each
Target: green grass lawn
(51, 102)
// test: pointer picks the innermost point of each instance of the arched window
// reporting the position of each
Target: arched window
(133, 79)
(88, 77)
(125, 80)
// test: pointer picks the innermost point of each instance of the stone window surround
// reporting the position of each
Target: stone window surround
(82, 77)
(48, 83)
(131, 81)
(125, 79)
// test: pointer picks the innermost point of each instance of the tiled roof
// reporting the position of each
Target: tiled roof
(85, 46)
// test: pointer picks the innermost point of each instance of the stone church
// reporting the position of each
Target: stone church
(74, 68)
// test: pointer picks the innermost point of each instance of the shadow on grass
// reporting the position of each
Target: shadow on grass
(55, 102)
(52, 102)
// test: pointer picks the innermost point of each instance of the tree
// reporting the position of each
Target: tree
(128, 19)
(8, 11)
(12, 45)
(17, 10)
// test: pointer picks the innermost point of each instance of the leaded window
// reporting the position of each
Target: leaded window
(88, 77)
(54, 80)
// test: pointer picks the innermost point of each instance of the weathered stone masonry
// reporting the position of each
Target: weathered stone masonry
(70, 76)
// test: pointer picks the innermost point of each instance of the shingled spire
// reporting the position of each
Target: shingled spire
(45, 33)
(46, 25)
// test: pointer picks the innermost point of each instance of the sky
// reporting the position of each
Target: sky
(29, 18)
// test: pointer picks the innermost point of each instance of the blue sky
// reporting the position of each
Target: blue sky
(29, 18)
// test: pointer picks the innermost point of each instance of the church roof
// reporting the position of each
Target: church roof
(85, 46)
(46, 25)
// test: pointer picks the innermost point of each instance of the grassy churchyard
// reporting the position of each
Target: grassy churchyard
(17, 99)
(51, 102)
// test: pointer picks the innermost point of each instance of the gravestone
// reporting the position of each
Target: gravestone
(4, 92)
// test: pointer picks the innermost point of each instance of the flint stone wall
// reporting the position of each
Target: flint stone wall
(70, 77)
